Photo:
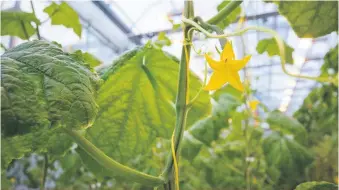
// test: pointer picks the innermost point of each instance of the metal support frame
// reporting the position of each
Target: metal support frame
(115, 19)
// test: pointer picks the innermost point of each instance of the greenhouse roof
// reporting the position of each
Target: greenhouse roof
(111, 27)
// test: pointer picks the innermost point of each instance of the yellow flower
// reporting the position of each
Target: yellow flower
(253, 105)
(226, 70)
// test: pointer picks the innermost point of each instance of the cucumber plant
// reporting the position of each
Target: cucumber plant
(51, 99)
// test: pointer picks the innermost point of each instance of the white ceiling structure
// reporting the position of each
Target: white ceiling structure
(111, 27)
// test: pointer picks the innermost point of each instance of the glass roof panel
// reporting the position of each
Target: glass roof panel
(145, 19)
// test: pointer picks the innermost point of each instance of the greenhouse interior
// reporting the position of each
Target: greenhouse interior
(169, 95)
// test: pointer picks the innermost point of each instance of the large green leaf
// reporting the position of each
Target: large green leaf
(270, 46)
(65, 15)
(42, 89)
(18, 24)
(286, 155)
(137, 103)
(231, 17)
(315, 185)
(310, 19)
(287, 125)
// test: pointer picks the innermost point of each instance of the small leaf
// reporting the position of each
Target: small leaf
(18, 24)
(90, 60)
(176, 26)
(231, 17)
(315, 185)
(64, 15)
(270, 46)
(310, 19)
(163, 40)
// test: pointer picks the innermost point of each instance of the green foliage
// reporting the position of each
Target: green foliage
(18, 24)
(42, 88)
(51, 141)
(227, 89)
(314, 185)
(231, 17)
(287, 156)
(330, 63)
(319, 115)
(270, 46)
(207, 130)
(310, 19)
(90, 60)
(287, 125)
(63, 14)
(136, 103)
(163, 40)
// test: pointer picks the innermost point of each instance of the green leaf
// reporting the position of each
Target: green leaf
(227, 89)
(90, 60)
(190, 146)
(207, 130)
(270, 46)
(231, 17)
(310, 19)
(64, 15)
(330, 62)
(42, 89)
(18, 24)
(285, 124)
(287, 155)
(137, 103)
(176, 26)
(70, 165)
(163, 40)
(315, 185)
(51, 141)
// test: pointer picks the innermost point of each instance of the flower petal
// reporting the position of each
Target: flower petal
(215, 65)
(217, 80)
(253, 104)
(237, 65)
(234, 80)
(227, 52)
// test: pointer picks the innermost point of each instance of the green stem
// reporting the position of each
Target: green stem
(109, 163)
(277, 39)
(211, 27)
(45, 170)
(181, 99)
(223, 13)
(37, 26)
(24, 29)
